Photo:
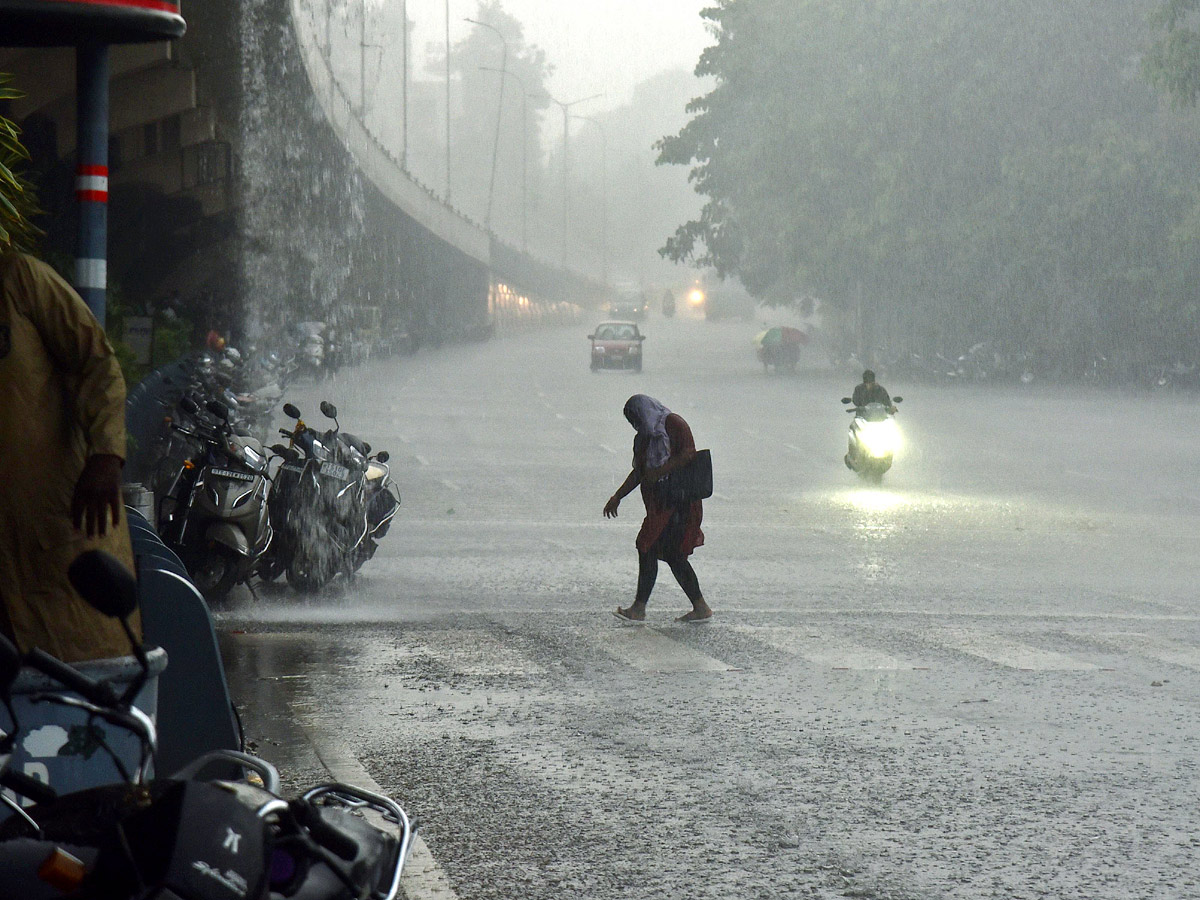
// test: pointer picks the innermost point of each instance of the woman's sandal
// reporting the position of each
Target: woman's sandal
(693, 616)
(628, 616)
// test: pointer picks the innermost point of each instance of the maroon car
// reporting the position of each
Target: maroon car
(617, 345)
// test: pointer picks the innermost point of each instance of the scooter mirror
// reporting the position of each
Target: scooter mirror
(846, 400)
(104, 583)
(897, 399)
(383, 456)
(218, 409)
(328, 410)
(290, 411)
(189, 406)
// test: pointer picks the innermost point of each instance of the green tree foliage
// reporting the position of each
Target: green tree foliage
(955, 170)
(18, 205)
(1173, 63)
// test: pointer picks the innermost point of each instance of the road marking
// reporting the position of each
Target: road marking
(559, 416)
(1150, 646)
(422, 460)
(608, 448)
(828, 650)
(649, 650)
(577, 429)
(794, 448)
(1009, 653)
(449, 484)
(722, 497)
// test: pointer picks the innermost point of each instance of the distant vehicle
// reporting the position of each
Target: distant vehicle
(668, 304)
(616, 345)
(629, 306)
(729, 304)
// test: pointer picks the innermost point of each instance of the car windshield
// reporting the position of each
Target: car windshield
(616, 333)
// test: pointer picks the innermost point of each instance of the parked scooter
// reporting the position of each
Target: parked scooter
(331, 504)
(874, 439)
(215, 515)
(186, 836)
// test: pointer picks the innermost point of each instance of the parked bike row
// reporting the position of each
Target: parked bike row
(990, 362)
(308, 510)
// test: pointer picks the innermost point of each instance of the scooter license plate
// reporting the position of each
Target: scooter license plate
(229, 473)
(333, 470)
(291, 468)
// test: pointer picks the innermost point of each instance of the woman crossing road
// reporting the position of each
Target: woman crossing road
(670, 531)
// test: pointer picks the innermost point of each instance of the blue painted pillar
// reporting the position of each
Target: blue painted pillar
(91, 174)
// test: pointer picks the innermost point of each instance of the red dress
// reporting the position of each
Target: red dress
(658, 516)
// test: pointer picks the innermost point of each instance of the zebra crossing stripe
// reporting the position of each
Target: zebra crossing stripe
(1009, 653)
(827, 650)
(649, 650)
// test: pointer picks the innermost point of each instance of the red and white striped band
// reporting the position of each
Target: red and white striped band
(156, 5)
(91, 184)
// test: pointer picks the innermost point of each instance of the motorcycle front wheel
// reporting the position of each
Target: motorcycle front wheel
(215, 573)
(308, 574)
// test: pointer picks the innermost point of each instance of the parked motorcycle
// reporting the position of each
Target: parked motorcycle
(331, 504)
(214, 515)
(186, 836)
(874, 439)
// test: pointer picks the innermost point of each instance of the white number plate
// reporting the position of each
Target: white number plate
(333, 470)
(229, 473)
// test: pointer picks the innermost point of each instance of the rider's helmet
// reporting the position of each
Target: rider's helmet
(868, 376)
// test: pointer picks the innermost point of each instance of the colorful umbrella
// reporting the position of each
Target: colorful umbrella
(781, 334)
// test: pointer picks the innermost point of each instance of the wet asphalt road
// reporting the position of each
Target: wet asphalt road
(978, 681)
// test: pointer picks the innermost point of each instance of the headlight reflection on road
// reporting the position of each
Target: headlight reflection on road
(875, 501)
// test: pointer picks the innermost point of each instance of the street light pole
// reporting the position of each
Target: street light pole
(603, 194)
(524, 153)
(404, 91)
(499, 114)
(447, 101)
(566, 166)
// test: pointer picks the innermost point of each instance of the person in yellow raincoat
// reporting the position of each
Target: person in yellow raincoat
(62, 446)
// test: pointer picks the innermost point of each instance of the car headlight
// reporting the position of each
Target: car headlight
(597, 349)
(879, 438)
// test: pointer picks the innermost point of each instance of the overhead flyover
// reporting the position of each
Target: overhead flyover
(508, 269)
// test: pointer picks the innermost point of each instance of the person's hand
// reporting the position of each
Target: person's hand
(610, 508)
(97, 495)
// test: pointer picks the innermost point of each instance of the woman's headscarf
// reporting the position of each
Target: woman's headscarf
(649, 417)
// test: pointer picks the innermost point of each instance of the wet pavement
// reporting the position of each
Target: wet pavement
(977, 681)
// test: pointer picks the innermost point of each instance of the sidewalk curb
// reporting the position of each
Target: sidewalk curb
(423, 878)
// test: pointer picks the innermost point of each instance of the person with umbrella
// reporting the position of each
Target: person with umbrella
(780, 347)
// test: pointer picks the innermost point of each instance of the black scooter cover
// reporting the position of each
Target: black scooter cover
(196, 841)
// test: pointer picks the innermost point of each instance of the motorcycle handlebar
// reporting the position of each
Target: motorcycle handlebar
(27, 786)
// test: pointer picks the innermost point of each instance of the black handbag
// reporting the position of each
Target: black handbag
(689, 483)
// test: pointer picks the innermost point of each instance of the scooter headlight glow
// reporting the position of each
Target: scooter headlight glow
(879, 439)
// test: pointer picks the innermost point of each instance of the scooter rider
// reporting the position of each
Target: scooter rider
(871, 391)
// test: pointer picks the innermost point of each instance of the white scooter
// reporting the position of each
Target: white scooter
(874, 439)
